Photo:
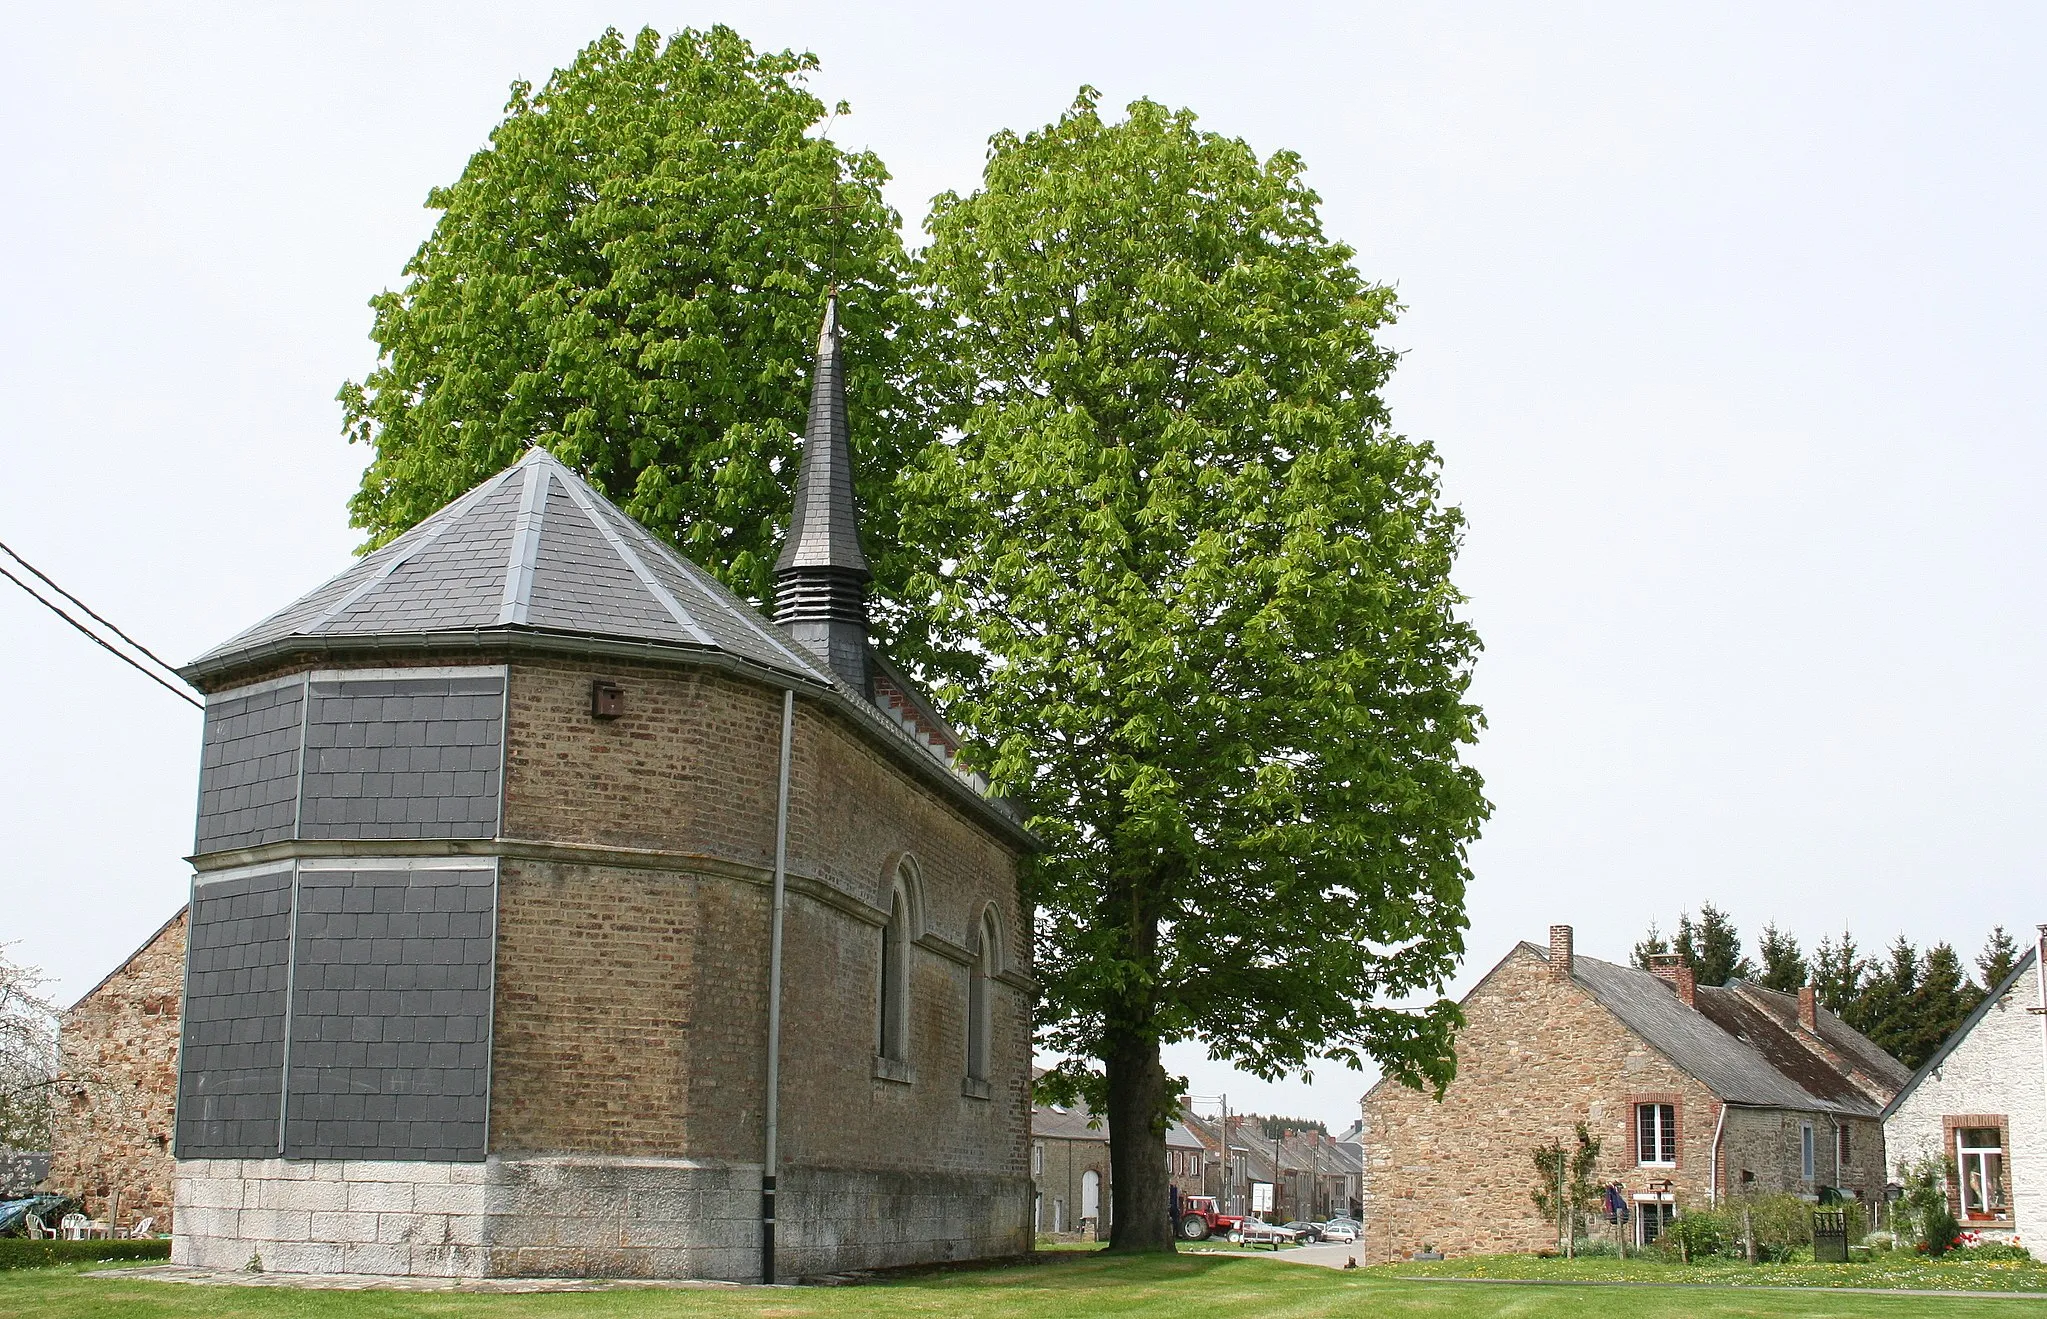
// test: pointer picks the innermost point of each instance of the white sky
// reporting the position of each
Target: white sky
(1725, 319)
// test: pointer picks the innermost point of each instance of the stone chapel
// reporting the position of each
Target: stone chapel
(497, 832)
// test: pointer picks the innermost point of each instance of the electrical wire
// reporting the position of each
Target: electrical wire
(95, 638)
(45, 577)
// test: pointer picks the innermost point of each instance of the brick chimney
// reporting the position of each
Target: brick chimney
(1672, 967)
(1809, 1009)
(1560, 952)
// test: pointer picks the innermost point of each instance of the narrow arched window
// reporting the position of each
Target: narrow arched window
(895, 978)
(979, 1014)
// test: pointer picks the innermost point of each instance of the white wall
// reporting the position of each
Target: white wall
(1999, 1067)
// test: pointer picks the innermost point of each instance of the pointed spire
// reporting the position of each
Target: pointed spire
(821, 575)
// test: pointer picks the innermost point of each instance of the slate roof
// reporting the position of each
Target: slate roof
(534, 548)
(824, 528)
(1740, 1052)
(536, 555)
(1079, 1123)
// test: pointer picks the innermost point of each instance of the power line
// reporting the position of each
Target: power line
(45, 577)
(95, 638)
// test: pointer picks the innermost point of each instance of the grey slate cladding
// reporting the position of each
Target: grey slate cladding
(404, 758)
(230, 1060)
(248, 769)
(391, 1015)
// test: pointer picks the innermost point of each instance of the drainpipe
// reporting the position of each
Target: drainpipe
(1713, 1160)
(770, 1157)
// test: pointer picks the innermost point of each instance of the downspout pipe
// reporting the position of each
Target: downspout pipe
(771, 1155)
(1713, 1160)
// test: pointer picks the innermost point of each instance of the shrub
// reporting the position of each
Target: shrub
(1926, 1205)
(1696, 1235)
(1980, 1250)
(21, 1253)
(1595, 1248)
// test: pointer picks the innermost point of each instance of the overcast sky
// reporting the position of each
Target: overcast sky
(1725, 319)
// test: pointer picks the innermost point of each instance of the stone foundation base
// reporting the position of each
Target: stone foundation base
(581, 1216)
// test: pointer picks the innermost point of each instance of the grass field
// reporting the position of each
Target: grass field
(1902, 1270)
(1070, 1284)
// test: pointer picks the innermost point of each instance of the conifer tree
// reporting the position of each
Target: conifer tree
(1838, 970)
(2000, 954)
(1784, 967)
(1939, 1001)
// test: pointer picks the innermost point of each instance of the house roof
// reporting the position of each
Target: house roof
(1961, 1032)
(534, 548)
(1080, 1123)
(1739, 1051)
(1864, 1053)
(535, 556)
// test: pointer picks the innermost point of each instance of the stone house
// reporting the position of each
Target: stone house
(117, 1081)
(1299, 1175)
(1980, 1104)
(1695, 1094)
(556, 913)
(1071, 1180)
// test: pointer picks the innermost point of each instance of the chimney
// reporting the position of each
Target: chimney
(1672, 967)
(1560, 952)
(821, 576)
(1809, 1009)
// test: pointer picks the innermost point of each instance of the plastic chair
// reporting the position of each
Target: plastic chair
(73, 1226)
(37, 1229)
(142, 1229)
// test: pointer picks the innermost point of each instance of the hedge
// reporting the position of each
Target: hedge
(22, 1253)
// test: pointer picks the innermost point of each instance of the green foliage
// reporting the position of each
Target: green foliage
(1784, 967)
(1711, 947)
(21, 1253)
(1778, 1222)
(1225, 673)
(1991, 1252)
(1272, 1128)
(1695, 1236)
(632, 274)
(1653, 943)
(2000, 954)
(1925, 1204)
(1564, 1177)
(1837, 973)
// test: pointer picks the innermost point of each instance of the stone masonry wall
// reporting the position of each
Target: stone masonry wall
(1537, 1056)
(631, 1003)
(118, 1087)
(1067, 1162)
(1998, 1070)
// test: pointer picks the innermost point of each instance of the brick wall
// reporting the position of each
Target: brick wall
(1537, 1056)
(119, 1082)
(631, 1002)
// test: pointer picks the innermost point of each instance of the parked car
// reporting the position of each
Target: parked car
(1252, 1232)
(1309, 1232)
(1340, 1230)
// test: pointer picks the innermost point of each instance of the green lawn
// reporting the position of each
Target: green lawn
(1900, 1270)
(1070, 1284)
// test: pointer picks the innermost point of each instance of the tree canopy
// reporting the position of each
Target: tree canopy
(1225, 672)
(1906, 1001)
(631, 273)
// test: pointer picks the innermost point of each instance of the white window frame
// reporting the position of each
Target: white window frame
(1038, 1159)
(1967, 1155)
(1665, 1208)
(1662, 1135)
(1806, 1151)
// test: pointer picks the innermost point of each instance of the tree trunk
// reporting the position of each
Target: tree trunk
(1140, 1185)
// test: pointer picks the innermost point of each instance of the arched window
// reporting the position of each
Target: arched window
(895, 977)
(980, 1020)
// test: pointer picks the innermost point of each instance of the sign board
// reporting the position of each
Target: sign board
(1261, 1197)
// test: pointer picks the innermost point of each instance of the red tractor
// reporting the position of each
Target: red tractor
(1201, 1218)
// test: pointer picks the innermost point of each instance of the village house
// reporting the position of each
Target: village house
(1298, 1175)
(117, 1046)
(555, 913)
(1070, 1174)
(1979, 1106)
(1695, 1094)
